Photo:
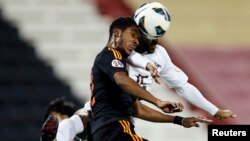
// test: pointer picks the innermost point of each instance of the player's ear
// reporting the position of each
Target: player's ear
(117, 32)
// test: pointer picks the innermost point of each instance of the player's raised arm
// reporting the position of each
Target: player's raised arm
(131, 87)
(146, 113)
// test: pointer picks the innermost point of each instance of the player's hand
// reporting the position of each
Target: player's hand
(224, 114)
(170, 107)
(153, 71)
(193, 121)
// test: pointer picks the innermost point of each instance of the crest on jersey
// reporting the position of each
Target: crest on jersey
(117, 64)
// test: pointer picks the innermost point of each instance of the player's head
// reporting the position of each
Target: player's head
(124, 34)
(153, 20)
(61, 108)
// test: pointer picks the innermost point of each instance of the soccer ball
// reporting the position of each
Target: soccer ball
(153, 19)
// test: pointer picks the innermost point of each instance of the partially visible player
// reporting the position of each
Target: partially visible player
(64, 122)
(174, 77)
(61, 108)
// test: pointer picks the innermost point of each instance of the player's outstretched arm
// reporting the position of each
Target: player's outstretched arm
(146, 113)
(194, 96)
(131, 87)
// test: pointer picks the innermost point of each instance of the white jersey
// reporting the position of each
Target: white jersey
(69, 128)
(171, 75)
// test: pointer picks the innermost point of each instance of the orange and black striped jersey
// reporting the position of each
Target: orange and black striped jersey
(108, 101)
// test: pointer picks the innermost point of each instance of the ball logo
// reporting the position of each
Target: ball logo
(153, 19)
(117, 64)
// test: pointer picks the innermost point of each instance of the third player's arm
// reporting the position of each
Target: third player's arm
(146, 113)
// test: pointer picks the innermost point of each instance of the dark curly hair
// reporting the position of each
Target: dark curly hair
(61, 105)
(121, 23)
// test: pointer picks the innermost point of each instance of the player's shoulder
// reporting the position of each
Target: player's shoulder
(108, 52)
(113, 52)
(160, 50)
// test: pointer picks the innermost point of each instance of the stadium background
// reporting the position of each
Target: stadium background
(47, 48)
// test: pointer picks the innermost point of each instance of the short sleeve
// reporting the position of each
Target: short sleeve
(111, 61)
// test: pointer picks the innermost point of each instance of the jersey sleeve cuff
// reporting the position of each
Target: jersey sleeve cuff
(214, 110)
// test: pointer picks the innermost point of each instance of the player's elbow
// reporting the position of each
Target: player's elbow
(137, 109)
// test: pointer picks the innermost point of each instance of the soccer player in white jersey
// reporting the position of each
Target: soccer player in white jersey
(69, 128)
(60, 127)
(174, 77)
